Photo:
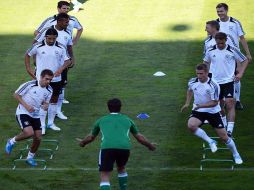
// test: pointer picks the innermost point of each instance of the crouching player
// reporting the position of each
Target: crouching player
(206, 107)
(31, 96)
(115, 146)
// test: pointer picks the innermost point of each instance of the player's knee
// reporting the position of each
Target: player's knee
(192, 127)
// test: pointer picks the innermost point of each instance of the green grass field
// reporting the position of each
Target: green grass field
(123, 44)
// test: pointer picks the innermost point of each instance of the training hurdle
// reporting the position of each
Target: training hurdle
(205, 158)
(50, 151)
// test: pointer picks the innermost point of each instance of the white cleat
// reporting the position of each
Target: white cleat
(43, 130)
(54, 127)
(77, 7)
(213, 146)
(238, 159)
(60, 115)
(65, 101)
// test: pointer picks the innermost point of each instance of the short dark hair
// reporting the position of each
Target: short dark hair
(47, 72)
(214, 24)
(224, 5)
(51, 31)
(220, 36)
(202, 66)
(60, 16)
(61, 3)
(114, 105)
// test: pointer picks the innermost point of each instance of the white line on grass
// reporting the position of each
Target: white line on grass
(131, 169)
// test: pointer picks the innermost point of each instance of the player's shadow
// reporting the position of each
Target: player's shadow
(179, 27)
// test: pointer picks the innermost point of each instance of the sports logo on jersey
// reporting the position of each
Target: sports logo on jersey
(214, 55)
(195, 88)
(231, 28)
(45, 95)
(34, 92)
(26, 122)
(65, 37)
(56, 52)
(43, 52)
(207, 91)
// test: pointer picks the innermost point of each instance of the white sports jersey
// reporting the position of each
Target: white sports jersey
(73, 23)
(232, 27)
(34, 95)
(210, 42)
(48, 57)
(64, 37)
(204, 93)
(223, 63)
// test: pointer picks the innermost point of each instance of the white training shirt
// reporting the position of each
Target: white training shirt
(232, 27)
(64, 37)
(210, 42)
(73, 23)
(48, 57)
(204, 93)
(34, 95)
(223, 63)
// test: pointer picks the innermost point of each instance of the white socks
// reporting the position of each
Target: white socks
(202, 134)
(237, 90)
(51, 113)
(60, 101)
(231, 145)
(13, 141)
(230, 127)
(43, 115)
(30, 155)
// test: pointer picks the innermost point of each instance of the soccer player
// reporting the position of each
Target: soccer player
(64, 37)
(50, 54)
(233, 27)
(222, 59)
(31, 96)
(62, 7)
(212, 28)
(115, 145)
(206, 107)
(76, 5)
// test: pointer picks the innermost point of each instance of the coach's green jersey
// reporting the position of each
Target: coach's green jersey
(115, 130)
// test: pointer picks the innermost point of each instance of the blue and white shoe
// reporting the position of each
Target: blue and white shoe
(31, 162)
(213, 146)
(238, 159)
(8, 147)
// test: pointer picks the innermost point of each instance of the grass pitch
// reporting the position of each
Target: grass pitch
(123, 44)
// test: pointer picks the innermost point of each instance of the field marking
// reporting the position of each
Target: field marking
(129, 169)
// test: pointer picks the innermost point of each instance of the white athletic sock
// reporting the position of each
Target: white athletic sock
(30, 155)
(52, 113)
(13, 141)
(104, 184)
(43, 115)
(231, 145)
(224, 120)
(230, 127)
(202, 134)
(237, 90)
(60, 101)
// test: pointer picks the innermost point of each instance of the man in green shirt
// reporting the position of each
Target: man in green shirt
(115, 145)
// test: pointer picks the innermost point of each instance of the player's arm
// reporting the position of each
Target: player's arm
(241, 70)
(66, 64)
(29, 70)
(142, 140)
(245, 47)
(189, 95)
(21, 101)
(77, 37)
(88, 139)
(70, 53)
